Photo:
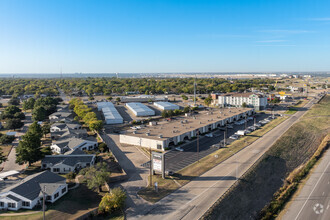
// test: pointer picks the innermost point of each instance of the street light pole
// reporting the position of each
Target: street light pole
(43, 202)
(197, 145)
(150, 166)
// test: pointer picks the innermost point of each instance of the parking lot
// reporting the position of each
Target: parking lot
(176, 160)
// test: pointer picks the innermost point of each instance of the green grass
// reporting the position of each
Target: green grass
(264, 179)
(168, 185)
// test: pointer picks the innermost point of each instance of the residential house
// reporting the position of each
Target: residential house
(58, 116)
(63, 145)
(67, 163)
(28, 192)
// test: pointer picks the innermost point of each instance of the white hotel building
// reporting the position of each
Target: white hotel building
(252, 100)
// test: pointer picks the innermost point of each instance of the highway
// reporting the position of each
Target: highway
(313, 201)
(193, 199)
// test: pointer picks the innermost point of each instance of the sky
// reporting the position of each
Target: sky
(148, 36)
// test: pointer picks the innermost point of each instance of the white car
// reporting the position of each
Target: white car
(209, 135)
(179, 149)
(235, 137)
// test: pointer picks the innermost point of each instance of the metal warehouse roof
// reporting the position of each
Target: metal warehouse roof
(140, 109)
(111, 115)
(166, 105)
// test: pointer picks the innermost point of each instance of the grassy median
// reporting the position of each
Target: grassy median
(271, 182)
(170, 184)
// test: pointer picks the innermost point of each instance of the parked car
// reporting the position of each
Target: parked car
(247, 131)
(169, 173)
(218, 146)
(235, 137)
(179, 149)
(240, 132)
(209, 135)
(230, 127)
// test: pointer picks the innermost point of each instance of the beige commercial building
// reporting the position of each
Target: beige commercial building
(167, 133)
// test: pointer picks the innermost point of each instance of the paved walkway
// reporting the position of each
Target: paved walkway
(10, 163)
(130, 159)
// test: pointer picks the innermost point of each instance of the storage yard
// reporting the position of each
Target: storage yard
(161, 135)
(139, 109)
(111, 115)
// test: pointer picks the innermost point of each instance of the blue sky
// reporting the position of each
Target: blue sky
(91, 36)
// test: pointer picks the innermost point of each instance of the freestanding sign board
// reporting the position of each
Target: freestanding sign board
(158, 163)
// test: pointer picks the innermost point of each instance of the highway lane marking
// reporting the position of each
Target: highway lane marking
(312, 190)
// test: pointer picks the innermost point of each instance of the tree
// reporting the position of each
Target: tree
(118, 99)
(45, 129)
(103, 147)
(112, 201)
(19, 115)
(10, 111)
(90, 116)
(95, 125)
(109, 98)
(35, 128)
(39, 113)
(28, 104)
(46, 151)
(186, 109)
(184, 97)
(14, 101)
(244, 105)
(164, 114)
(13, 123)
(28, 149)
(2, 157)
(96, 176)
(6, 139)
(208, 100)
(90, 98)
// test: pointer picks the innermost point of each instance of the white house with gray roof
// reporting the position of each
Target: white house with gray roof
(67, 163)
(71, 144)
(28, 192)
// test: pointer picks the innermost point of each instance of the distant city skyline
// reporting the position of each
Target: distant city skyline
(164, 36)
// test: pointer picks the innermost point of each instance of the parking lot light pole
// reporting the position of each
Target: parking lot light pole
(197, 133)
(150, 167)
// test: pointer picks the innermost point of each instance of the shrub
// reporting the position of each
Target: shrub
(70, 175)
(112, 201)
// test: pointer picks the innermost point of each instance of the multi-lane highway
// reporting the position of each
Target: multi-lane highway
(313, 201)
(193, 200)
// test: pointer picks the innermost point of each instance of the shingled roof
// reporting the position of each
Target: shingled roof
(30, 187)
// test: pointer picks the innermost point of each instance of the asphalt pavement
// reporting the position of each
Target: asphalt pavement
(177, 160)
(313, 201)
(193, 199)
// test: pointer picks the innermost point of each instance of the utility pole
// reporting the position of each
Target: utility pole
(195, 92)
(43, 202)
(224, 139)
(255, 120)
(197, 133)
(245, 120)
(150, 166)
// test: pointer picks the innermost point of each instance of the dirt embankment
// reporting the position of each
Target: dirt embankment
(256, 189)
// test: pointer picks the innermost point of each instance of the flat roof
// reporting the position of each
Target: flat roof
(166, 105)
(139, 108)
(178, 126)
